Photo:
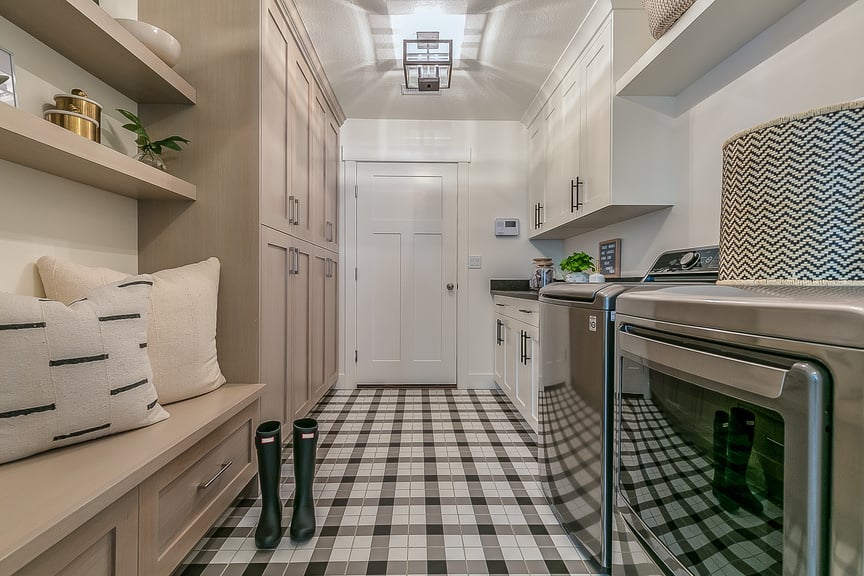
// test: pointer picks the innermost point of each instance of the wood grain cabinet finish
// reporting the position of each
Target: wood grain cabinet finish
(185, 498)
(265, 156)
(107, 545)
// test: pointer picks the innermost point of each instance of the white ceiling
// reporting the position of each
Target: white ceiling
(509, 47)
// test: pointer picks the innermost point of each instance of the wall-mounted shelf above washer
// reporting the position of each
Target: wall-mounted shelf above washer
(36, 143)
(708, 33)
(88, 36)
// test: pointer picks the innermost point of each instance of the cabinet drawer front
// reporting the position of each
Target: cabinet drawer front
(181, 501)
(521, 309)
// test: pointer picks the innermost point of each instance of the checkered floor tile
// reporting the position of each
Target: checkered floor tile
(408, 482)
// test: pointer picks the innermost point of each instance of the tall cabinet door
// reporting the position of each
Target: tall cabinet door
(537, 174)
(332, 167)
(277, 207)
(320, 268)
(597, 124)
(277, 264)
(300, 327)
(571, 142)
(318, 173)
(331, 321)
(301, 122)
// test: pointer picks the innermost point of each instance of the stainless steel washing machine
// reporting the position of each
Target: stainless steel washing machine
(576, 383)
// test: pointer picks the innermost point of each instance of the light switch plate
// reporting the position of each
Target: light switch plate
(475, 262)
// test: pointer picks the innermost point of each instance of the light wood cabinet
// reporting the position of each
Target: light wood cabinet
(517, 353)
(107, 545)
(266, 158)
(607, 159)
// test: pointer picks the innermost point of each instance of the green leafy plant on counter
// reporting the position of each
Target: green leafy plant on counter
(578, 262)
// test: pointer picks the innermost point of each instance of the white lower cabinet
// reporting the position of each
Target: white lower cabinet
(517, 353)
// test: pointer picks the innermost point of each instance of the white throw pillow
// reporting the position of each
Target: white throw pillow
(182, 329)
(74, 373)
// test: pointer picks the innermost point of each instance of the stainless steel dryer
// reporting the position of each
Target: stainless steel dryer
(576, 383)
(740, 417)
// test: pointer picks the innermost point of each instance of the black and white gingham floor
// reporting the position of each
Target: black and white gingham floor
(410, 482)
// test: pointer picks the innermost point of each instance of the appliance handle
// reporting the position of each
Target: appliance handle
(766, 381)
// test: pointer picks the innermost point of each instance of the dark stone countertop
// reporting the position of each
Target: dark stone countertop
(526, 294)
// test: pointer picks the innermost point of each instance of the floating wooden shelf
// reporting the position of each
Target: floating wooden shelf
(708, 33)
(31, 141)
(88, 36)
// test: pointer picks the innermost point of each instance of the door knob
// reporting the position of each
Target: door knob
(450, 286)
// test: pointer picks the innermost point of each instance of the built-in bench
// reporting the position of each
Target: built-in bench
(131, 503)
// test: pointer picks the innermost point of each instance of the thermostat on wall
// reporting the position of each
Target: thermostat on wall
(506, 227)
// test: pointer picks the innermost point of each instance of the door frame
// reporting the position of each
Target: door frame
(348, 249)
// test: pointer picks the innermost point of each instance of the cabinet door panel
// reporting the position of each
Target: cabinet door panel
(276, 262)
(331, 324)
(536, 174)
(275, 149)
(597, 93)
(571, 140)
(300, 326)
(331, 184)
(500, 351)
(107, 545)
(556, 194)
(318, 169)
(320, 264)
(301, 144)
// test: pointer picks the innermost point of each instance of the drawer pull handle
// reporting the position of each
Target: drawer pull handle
(213, 479)
(526, 311)
(496, 304)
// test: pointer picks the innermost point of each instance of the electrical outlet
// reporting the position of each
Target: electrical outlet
(475, 262)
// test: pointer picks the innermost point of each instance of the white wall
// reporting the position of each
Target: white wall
(803, 62)
(497, 183)
(42, 214)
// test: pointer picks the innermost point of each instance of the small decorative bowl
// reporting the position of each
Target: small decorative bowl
(160, 42)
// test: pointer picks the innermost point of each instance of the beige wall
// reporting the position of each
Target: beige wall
(808, 60)
(42, 214)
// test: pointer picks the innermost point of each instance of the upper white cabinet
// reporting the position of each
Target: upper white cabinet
(708, 33)
(605, 158)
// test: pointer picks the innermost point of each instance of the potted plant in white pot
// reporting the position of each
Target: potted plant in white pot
(576, 267)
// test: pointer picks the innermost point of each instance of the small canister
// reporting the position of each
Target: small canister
(79, 103)
(74, 122)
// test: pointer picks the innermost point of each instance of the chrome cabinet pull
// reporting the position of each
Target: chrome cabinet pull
(297, 211)
(218, 474)
(328, 231)
(291, 206)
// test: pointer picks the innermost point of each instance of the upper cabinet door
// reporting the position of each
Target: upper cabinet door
(571, 142)
(596, 162)
(318, 174)
(276, 209)
(332, 168)
(301, 102)
(536, 174)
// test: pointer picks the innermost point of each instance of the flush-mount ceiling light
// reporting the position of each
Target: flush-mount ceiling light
(428, 62)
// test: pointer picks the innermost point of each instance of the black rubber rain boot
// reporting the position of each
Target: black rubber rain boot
(718, 485)
(742, 429)
(268, 445)
(305, 442)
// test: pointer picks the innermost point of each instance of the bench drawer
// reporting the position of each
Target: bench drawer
(182, 500)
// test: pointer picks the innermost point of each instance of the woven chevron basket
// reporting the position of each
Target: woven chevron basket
(792, 210)
(662, 14)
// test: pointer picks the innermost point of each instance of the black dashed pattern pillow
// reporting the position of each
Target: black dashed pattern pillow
(74, 373)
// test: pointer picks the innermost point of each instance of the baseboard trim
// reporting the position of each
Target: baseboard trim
(407, 386)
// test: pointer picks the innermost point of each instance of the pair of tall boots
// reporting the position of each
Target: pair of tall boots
(268, 445)
(733, 444)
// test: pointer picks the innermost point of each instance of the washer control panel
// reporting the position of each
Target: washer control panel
(691, 261)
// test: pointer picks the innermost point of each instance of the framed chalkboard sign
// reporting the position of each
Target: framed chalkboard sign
(610, 258)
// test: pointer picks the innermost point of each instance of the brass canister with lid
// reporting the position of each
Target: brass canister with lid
(72, 111)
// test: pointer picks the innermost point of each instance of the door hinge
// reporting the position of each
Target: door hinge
(355, 356)
(355, 191)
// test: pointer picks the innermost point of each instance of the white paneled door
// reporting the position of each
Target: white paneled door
(406, 273)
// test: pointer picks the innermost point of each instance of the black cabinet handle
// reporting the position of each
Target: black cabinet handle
(498, 339)
(526, 311)
(522, 346)
(539, 215)
(575, 204)
(527, 338)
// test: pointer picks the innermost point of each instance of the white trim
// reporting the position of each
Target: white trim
(418, 153)
(479, 382)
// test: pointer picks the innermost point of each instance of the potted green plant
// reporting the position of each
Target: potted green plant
(576, 267)
(149, 150)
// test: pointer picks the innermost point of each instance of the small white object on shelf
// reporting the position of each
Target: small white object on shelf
(160, 42)
(596, 278)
